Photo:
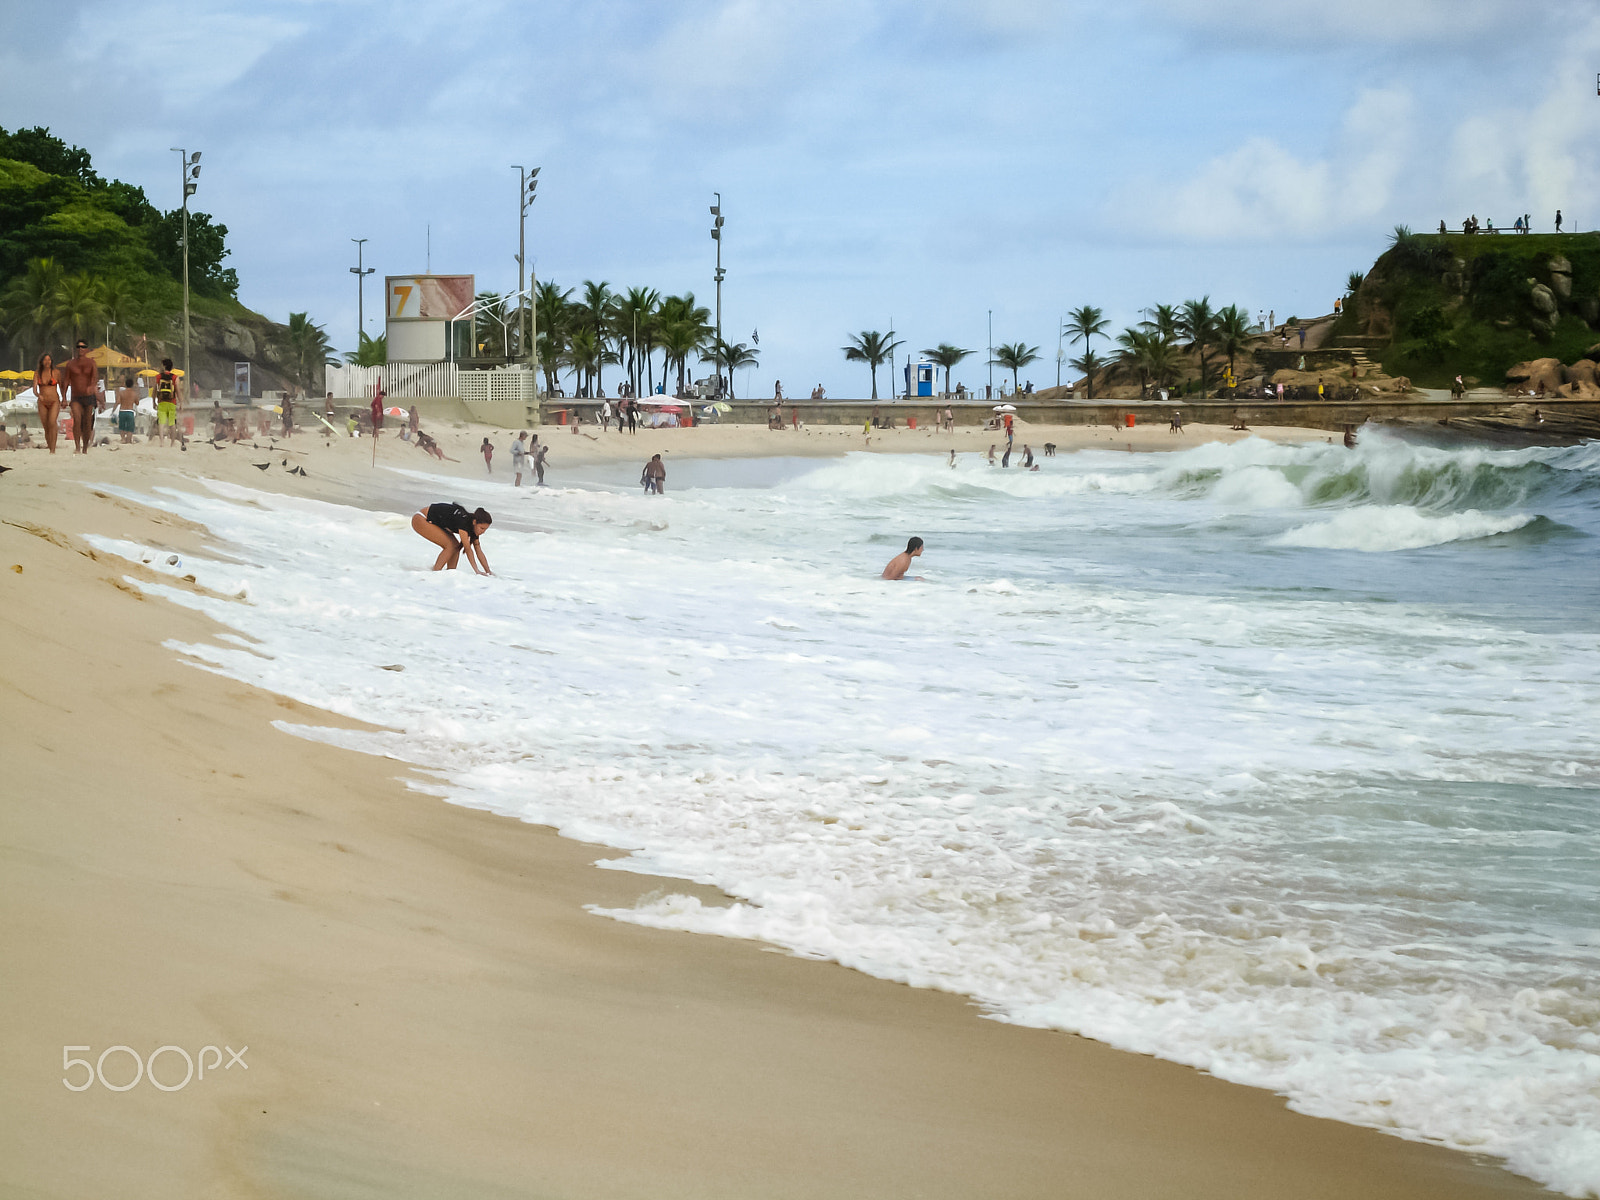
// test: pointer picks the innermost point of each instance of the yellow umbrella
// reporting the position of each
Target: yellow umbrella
(10, 375)
(149, 373)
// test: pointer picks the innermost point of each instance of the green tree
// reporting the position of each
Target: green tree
(634, 315)
(872, 348)
(308, 348)
(369, 351)
(599, 308)
(583, 357)
(1232, 332)
(679, 339)
(733, 357)
(78, 305)
(207, 248)
(491, 322)
(29, 307)
(1197, 325)
(1014, 357)
(1086, 323)
(553, 307)
(1089, 363)
(1353, 284)
(947, 356)
(1135, 348)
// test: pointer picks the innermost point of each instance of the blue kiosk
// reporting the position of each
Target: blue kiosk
(919, 379)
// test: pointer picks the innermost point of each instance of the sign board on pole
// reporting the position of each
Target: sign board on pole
(420, 309)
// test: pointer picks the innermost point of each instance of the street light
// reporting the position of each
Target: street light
(110, 325)
(361, 273)
(527, 189)
(716, 236)
(189, 172)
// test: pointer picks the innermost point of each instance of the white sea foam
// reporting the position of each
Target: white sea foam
(1336, 845)
(1380, 527)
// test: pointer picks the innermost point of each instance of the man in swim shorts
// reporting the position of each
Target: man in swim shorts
(167, 402)
(127, 403)
(81, 375)
(656, 472)
(901, 563)
(452, 528)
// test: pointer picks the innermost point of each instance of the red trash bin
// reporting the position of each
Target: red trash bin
(912, 421)
(188, 425)
(1129, 419)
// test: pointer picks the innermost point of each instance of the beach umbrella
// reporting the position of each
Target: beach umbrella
(1005, 408)
(396, 412)
(722, 406)
(671, 408)
(10, 375)
(149, 373)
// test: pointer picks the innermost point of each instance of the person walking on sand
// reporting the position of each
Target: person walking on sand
(127, 403)
(901, 563)
(656, 472)
(519, 451)
(47, 398)
(1177, 422)
(81, 377)
(605, 417)
(487, 450)
(288, 414)
(453, 529)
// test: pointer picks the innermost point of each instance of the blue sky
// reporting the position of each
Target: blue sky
(926, 162)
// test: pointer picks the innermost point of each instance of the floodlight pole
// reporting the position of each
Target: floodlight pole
(991, 353)
(716, 236)
(361, 274)
(189, 172)
(527, 189)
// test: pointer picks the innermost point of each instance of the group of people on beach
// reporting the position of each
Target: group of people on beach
(1523, 224)
(78, 383)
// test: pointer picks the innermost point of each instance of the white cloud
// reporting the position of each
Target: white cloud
(1262, 190)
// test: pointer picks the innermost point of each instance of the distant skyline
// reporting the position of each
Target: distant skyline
(925, 162)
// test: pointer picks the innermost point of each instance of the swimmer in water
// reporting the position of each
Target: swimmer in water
(453, 529)
(901, 563)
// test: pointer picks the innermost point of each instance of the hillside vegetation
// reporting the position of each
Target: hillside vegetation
(1476, 305)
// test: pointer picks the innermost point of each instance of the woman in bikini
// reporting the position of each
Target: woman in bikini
(453, 529)
(47, 390)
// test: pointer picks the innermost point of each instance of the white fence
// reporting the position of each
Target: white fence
(412, 380)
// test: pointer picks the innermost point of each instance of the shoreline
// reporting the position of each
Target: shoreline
(427, 1003)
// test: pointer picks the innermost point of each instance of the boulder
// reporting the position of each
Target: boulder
(1544, 300)
(1528, 376)
(238, 338)
(1593, 352)
(1561, 277)
(1582, 371)
(1582, 390)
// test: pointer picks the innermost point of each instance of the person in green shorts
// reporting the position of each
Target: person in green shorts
(167, 403)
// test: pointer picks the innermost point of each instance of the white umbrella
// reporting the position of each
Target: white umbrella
(1005, 408)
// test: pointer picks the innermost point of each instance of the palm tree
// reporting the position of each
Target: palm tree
(552, 307)
(1232, 332)
(1197, 325)
(733, 357)
(1353, 284)
(679, 339)
(1135, 346)
(490, 325)
(308, 346)
(369, 351)
(872, 348)
(583, 356)
(1013, 358)
(634, 315)
(117, 299)
(1085, 323)
(947, 356)
(599, 309)
(29, 308)
(78, 303)
(1089, 362)
(1162, 320)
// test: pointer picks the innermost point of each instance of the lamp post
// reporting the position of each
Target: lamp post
(527, 188)
(110, 325)
(716, 236)
(189, 170)
(361, 274)
(991, 354)
(1060, 327)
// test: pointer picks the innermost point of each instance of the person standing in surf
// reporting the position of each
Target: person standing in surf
(453, 529)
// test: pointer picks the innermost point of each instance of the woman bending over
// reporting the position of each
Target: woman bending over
(453, 529)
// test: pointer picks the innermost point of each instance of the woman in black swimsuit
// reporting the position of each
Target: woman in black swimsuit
(454, 529)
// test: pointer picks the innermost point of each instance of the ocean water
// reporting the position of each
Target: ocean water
(1277, 761)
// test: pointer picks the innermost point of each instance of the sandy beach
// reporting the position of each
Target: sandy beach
(428, 1008)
